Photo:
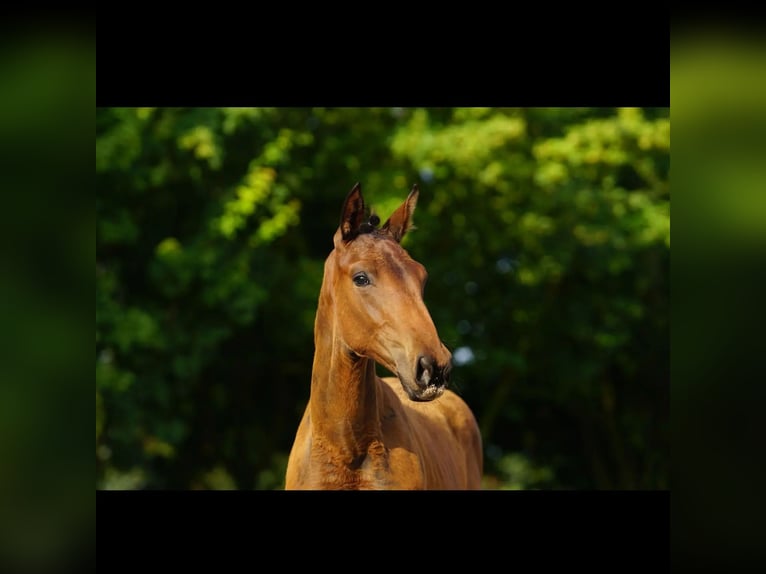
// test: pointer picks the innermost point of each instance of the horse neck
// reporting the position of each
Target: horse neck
(344, 394)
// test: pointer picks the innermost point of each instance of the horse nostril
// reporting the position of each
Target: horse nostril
(425, 371)
(440, 375)
(445, 372)
(428, 373)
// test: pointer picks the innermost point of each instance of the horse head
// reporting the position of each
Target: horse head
(377, 293)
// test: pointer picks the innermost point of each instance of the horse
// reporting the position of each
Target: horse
(360, 431)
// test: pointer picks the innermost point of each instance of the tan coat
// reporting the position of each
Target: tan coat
(360, 431)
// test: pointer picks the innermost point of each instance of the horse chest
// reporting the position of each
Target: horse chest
(397, 469)
(380, 468)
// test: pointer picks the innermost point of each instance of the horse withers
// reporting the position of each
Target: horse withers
(360, 431)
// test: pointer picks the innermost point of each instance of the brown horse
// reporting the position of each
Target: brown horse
(360, 431)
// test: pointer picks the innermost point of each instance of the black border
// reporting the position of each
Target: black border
(560, 59)
(617, 530)
(521, 61)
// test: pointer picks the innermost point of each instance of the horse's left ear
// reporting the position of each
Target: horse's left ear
(400, 221)
(352, 214)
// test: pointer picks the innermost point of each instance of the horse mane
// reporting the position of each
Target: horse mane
(369, 226)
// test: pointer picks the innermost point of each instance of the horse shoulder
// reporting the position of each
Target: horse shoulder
(460, 419)
(404, 452)
(445, 436)
(462, 422)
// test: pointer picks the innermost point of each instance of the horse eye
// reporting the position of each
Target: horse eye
(361, 280)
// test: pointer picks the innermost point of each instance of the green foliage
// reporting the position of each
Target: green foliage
(546, 233)
(516, 472)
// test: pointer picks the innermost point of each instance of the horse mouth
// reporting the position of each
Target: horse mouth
(423, 394)
(425, 383)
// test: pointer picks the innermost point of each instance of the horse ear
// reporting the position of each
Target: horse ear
(352, 214)
(400, 221)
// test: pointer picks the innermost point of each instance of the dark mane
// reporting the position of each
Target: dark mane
(370, 225)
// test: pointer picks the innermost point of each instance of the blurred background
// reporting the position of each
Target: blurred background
(545, 232)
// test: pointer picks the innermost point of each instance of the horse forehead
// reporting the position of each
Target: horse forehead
(383, 253)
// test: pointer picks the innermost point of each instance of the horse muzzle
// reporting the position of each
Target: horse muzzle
(430, 380)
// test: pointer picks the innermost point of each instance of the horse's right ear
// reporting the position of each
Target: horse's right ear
(401, 220)
(352, 214)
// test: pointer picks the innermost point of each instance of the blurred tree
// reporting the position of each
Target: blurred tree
(553, 255)
(545, 232)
